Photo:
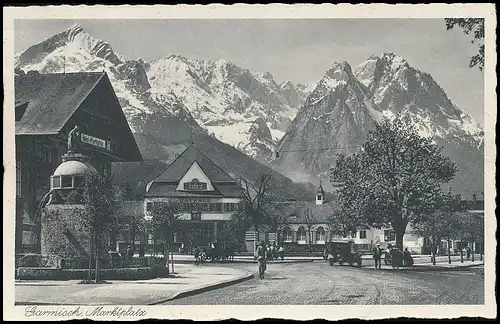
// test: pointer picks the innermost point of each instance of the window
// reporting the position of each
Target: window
(288, 235)
(195, 184)
(389, 235)
(149, 206)
(66, 182)
(320, 234)
(362, 234)
(301, 234)
(354, 234)
(150, 238)
(318, 197)
(217, 207)
(427, 242)
(56, 182)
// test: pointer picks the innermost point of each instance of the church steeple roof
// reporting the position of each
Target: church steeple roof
(320, 189)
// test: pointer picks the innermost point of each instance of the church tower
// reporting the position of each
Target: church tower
(320, 195)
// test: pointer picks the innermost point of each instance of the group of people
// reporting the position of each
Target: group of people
(395, 257)
(274, 252)
(267, 253)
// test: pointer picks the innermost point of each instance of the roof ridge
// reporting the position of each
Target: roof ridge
(192, 144)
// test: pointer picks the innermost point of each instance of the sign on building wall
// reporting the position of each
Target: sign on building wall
(251, 236)
(95, 141)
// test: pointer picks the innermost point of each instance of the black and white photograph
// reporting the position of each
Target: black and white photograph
(249, 161)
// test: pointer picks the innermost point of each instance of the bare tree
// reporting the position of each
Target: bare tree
(309, 220)
(257, 196)
(277, 220)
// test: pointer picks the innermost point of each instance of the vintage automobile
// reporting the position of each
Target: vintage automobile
(342, 251)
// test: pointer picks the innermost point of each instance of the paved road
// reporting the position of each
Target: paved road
(319, 284)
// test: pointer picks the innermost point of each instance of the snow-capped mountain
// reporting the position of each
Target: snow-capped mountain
(73, 50)
(225, 99)
(219, 97)
(340, 111)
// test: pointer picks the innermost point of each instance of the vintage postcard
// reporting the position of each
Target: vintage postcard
(249, 161)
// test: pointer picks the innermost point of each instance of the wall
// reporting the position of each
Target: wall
(65, 233)
(195, 172)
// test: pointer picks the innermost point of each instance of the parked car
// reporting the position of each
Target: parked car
(343, 251)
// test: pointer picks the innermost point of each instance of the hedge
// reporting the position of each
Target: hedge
(82, 274)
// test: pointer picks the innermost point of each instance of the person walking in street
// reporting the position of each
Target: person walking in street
(467, 249)
(196, 253)
(377, 256)
(261, 259)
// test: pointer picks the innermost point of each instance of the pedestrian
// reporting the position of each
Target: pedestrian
(468, 253)
(377, 256)
(396, 258)
(130, 253)
(281, 252)
(407, 258)
(261, 259)
(196, 253)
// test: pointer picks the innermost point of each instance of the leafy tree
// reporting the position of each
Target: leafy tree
(393, 180)
(341, 223)
(439, 222)
(473, 26)
(164, 220)
(126, 192)
(234, 230)
(127, 222)
(100, 212)
(472, 228)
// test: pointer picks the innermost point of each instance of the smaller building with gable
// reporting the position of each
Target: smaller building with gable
(207, 195)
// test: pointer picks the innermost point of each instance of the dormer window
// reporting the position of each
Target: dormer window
(318, 197)
(195, 184)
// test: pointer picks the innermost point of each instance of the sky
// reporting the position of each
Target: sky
(299, 50)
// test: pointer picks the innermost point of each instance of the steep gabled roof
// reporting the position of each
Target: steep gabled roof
(176, 170)
(52, 99)
(296, 211)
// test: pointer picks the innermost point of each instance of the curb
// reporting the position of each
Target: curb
(178, 295)
(200, 290)
(427, 268)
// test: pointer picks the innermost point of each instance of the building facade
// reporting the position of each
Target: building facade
(302, 231)
(207, 195)
(47, 109)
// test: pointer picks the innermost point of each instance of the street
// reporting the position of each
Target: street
(317, 283)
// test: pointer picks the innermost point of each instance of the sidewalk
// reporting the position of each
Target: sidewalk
(428, 266)
(188, 280)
